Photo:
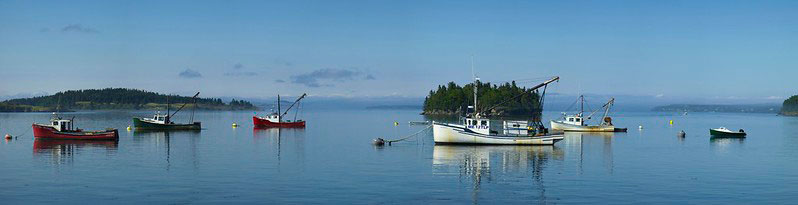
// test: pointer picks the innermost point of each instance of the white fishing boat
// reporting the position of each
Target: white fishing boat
(577, 122)
(475, 129)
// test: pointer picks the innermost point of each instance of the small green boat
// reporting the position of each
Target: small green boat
(723, 132)
(164, 122)
(159, 122)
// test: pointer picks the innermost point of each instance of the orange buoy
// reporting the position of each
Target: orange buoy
(8, 137)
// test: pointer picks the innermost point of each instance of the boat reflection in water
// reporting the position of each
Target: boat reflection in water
(63, 151)
(591, 148)
(277, 138)
(722, 144)
(478, 163)
(163, 140)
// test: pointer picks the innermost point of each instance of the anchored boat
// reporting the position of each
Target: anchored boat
(723, 132)
(475, 129)
(63, 129)
(576, 122)
(276, 119)
(163, 121)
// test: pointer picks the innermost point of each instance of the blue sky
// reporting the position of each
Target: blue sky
(726, 50)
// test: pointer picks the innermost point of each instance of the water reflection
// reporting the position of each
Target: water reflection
(724, 143)
(589, 145)
(277, 138)
(164, 139)
(64, 151)
(478, 163)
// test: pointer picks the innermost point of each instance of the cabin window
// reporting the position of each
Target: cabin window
(570, 119)
(577, 119)
(516, 125)
(484, 122)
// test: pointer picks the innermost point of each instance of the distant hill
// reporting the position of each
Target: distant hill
(790, 106)
(760, 108)
(115, 98)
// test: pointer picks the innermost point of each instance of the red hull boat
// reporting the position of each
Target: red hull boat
(63, 129)
(276, 119)
(262, 122)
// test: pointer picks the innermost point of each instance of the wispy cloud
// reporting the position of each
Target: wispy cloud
(77, 28)
(326, 77)
(283, 62)
(279, 81)
(238, 70)
(188, 73)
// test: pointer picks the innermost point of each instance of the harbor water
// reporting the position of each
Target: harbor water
(332, 161)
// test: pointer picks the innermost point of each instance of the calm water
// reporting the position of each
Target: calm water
(332, 161)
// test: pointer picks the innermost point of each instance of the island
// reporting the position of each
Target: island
(115, 99)
(493, 100)
(790, 106)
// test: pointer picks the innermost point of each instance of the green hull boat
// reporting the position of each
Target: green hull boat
(140, 124)
(723, 132)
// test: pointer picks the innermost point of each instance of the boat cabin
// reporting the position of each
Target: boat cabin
(508, 127)
(61, 125)
(574, 120)
(478, 125)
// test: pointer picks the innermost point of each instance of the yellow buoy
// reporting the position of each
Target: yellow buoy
(671, 122)
(128, 128)
(395, 123)
(235, 125)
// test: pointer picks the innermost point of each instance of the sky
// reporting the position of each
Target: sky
(702, 51)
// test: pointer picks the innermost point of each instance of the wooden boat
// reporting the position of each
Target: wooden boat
(577, 123)
(723, 132)
(63, 129)
(276, 119)
(475, 129)
(163, 121)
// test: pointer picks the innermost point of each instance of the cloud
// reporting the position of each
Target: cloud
(283, 62)
(279, 81)
(326, 77)
(659, 95)
(77, 28)
(188, 73)
(237, 71)
(247, 73)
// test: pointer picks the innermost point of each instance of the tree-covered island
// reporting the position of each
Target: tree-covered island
(114, 99)
(790, 106)
(493, 100)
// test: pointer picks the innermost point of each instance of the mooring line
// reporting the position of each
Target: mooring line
(380, 141)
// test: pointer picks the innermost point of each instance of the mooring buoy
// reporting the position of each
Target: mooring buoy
(129, 128)
(681, 134)
(8, 137)
(378, 142)
(235, 125)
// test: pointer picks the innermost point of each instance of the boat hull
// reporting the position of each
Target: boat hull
(45, 132)
(716, 133)
(556, 125)
(144, 125)
(457, 134)
(264, 123)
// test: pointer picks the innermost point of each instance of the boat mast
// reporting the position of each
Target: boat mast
(607, 111)
(581, 105)
(476, 80)
(295, 102)
(278, 109)
(166, 119)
